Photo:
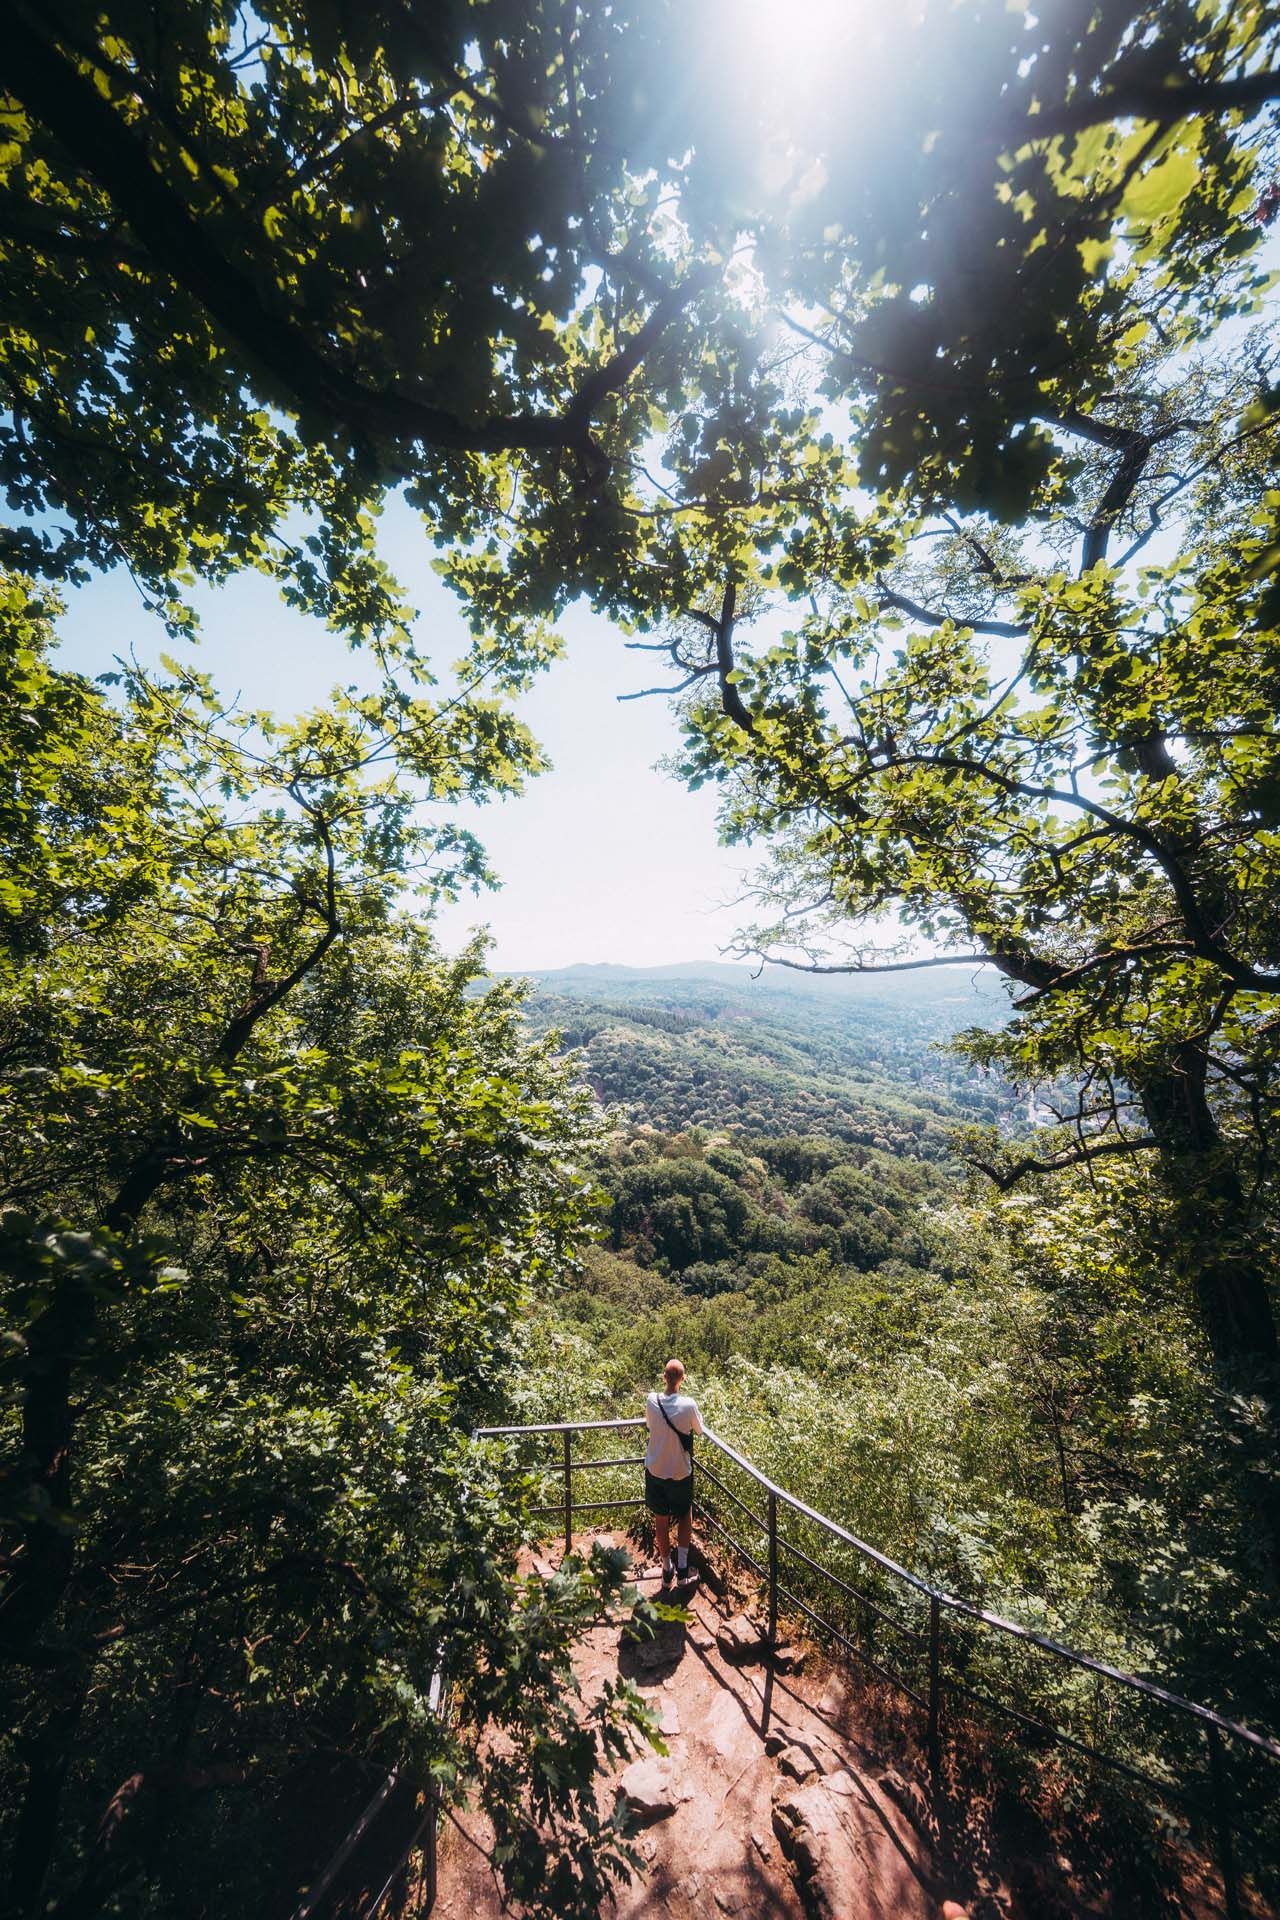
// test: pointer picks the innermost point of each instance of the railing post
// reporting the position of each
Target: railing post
(933, 1740)
(568, 1490)
(430, 1860)
(773, 1573)
(1222, 1824)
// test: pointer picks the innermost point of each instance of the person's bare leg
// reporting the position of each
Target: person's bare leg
(662, 1534)
(684, 1535)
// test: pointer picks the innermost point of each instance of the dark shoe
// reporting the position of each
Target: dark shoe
(688, 1578)
(668, 1575)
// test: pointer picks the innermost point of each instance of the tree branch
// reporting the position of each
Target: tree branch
(1001, 629)
(1007, 1177)
(1186, 99)
(867, 966)
(55, 92)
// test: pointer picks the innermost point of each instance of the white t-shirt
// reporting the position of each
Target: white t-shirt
(665, 1458)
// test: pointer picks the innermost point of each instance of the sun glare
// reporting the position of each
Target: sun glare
(796, 46)
(783, 68)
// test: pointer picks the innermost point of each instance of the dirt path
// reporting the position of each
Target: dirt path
(766, 1795)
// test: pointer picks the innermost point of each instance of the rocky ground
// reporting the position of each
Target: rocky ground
(768, 1803)
(783, 1794)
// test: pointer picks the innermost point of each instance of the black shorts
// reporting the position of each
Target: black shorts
(671, 1499)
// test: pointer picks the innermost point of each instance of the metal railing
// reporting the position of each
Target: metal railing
(1209, 1797)
(319, 1897)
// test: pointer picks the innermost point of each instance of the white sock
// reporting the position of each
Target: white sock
(682, 1558)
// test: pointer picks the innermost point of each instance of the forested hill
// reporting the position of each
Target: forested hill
(708, 1045)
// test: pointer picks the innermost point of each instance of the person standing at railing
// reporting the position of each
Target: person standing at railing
(672, 1419)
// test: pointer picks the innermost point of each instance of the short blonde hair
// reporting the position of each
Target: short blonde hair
(673, 1374)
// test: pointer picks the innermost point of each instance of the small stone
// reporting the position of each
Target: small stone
(645, 1793)
(952, 1910)
(740, 1639)
(762, 1846)
(649, 1848)
(692, 1886)
(727, 1900)
(797, 1762)
(789, 1659)
(669, 1724)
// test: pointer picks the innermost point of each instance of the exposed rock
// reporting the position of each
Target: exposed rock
(669, 1724)
(645, 1793)
(848, 1865)
(952, 1910)
(728, 1901)
(650, 1652)
(741, 1639)
(797, 1762)
(762, 1845)
(712, 1578)
(834, 1701)
(910, 1796)
(789, 1659)
(722, 1728)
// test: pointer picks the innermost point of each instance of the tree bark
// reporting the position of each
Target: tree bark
(1212, 1244)
(48, 1758)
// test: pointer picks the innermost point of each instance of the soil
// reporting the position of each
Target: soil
(794, 1794)
(718, 1853)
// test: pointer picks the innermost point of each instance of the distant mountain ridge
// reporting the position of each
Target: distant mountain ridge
(713, 1045)
(963, 980)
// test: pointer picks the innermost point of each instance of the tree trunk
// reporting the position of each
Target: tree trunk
(48, 1757)
(1212, 1243)
(40, 1481)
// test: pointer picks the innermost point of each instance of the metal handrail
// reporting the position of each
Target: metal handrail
(951, 1602)
(423, 1837)
(1214, 1724)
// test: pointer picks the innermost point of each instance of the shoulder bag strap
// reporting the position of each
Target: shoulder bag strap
(685, 1439)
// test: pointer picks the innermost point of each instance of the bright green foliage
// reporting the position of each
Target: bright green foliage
(1090, 810)
(276, 1189)
(278, 1186)
(721, 1053)
(1020, 1414)
(262, 265)
(992, 207)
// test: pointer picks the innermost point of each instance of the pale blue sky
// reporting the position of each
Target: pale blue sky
(601, 859)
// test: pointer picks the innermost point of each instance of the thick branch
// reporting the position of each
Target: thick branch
(875, 966)
(1203, 942)
(1185, 100)
(57, 93)
(1001, 629)
(1007, 1177)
